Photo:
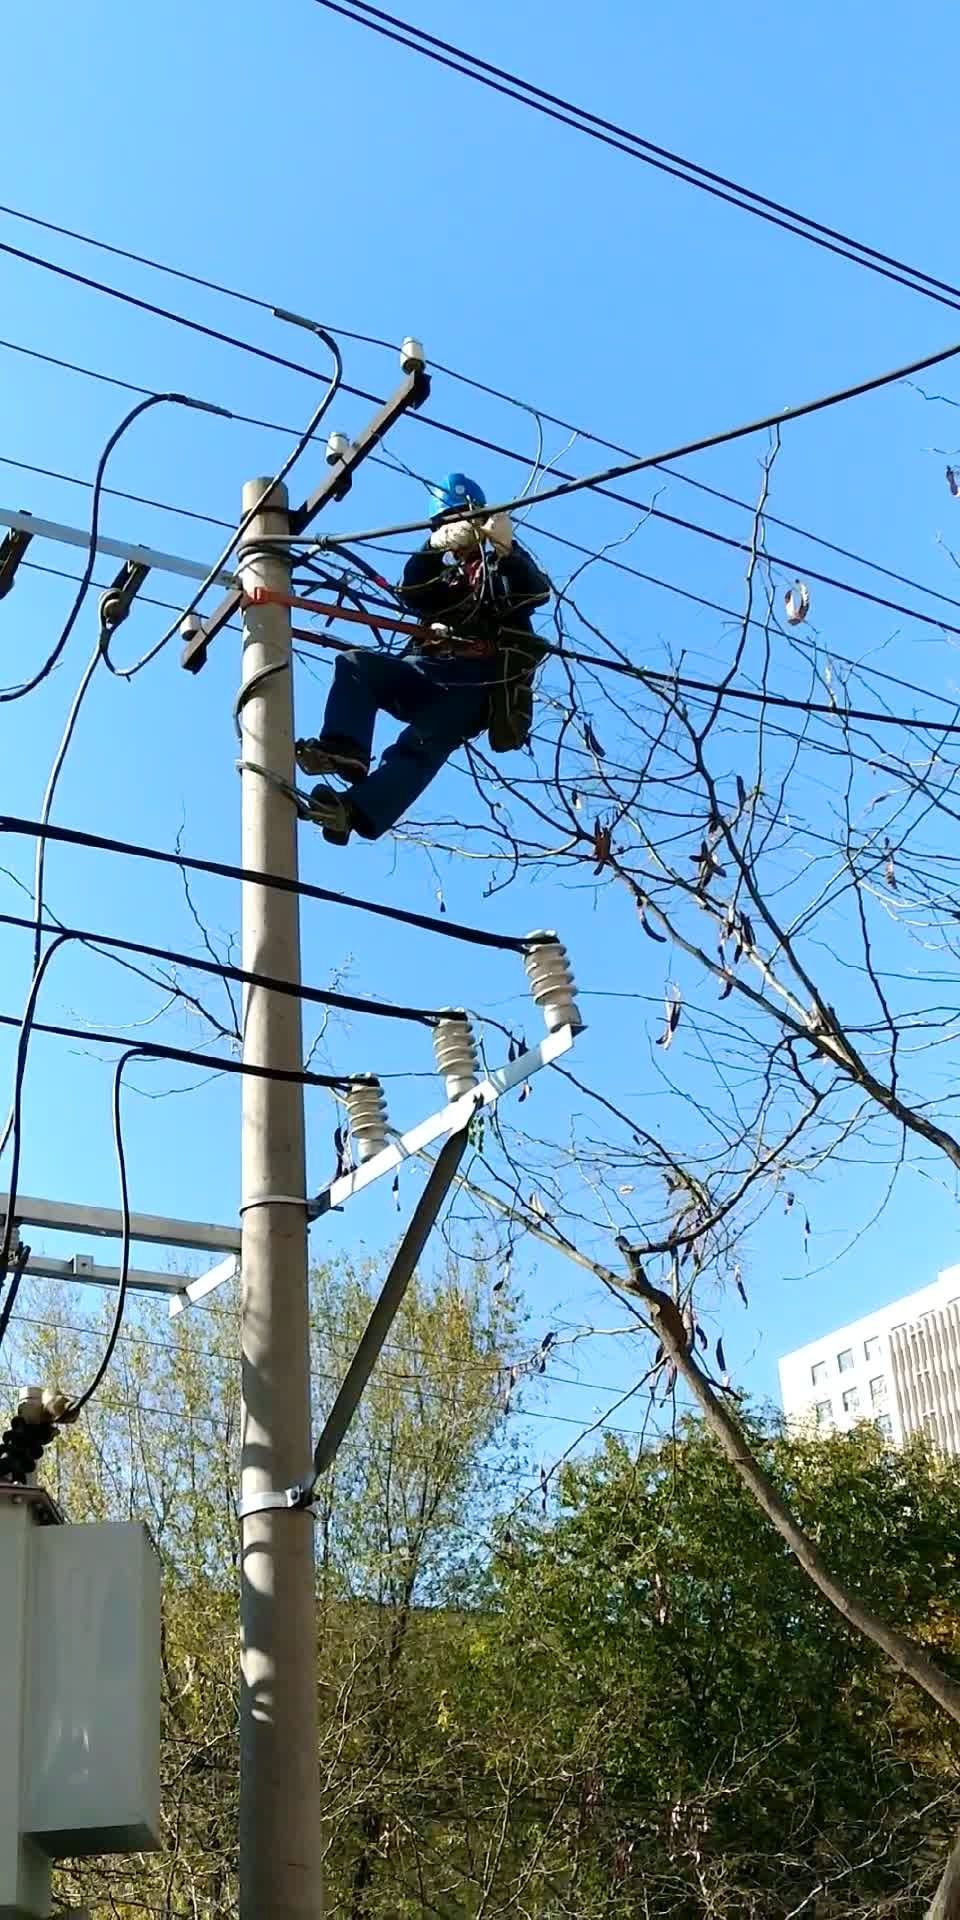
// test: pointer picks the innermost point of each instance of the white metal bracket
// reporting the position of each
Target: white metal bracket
(450, 1119)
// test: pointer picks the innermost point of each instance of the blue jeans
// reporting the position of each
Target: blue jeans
(444, 702)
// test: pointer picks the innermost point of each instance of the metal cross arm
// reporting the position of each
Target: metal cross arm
(385, 1310)
(451, 1119)
(412, 392)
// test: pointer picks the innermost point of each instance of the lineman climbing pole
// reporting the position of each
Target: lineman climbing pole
(280, 1859)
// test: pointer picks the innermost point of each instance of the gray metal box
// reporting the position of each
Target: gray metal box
(91, 1756)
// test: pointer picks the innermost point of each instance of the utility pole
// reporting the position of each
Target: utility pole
(280, 1858)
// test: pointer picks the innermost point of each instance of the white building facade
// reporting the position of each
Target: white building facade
(899, 1367)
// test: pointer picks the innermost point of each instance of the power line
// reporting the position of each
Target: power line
(714, 606)
(214, 1063)
(723, 437)
(711, 688)
(134, 412)
(329, 395)
(452, 373)
(609, 133)
(634, 464)
(220, 869)
(142, 1341)
(320, 996)
(118, 493)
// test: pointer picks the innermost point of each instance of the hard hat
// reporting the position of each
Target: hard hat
(457, 490)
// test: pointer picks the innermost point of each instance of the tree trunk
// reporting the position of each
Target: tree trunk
(903, 1653)
(945, 1904)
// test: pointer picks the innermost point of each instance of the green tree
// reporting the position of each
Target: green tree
(401, 1524)
(689, 1728)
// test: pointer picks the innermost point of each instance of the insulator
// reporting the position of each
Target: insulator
(412, 354)
(367, 1112)
(456, 1053)
(21, 1446)
(338, 446)
(552, 982)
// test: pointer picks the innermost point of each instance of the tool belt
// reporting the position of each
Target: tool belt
(511, 701)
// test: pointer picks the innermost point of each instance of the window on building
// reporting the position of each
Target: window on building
(823, 1413)
(818, 1373)
(885, 1425)
(845, 1360)
(871, 1347)
(851, 1400)
(878, 1391)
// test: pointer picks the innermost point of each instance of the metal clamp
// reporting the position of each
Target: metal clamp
(292, 1500)
(275, 1200)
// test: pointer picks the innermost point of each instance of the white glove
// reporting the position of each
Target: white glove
(455, 536)
(499, 531)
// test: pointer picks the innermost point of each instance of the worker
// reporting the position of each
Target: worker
(471, 667)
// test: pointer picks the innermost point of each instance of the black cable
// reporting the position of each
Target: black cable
(332, 389)
(451, 929)
(19, 1269)
(115, 493)
(754, 697)
(77, 1406)
(513, 87)
(214, 1063)
(142, 406)
(703, 444)
(453, 373)
(621, 566)
(13, 1129)
(319, 996)
(509, 453)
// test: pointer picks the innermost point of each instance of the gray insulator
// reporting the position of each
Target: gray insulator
(551, 981)
(412, 354)
(367, 1113)
(456, 1054)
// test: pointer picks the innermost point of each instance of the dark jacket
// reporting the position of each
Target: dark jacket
(490, 614)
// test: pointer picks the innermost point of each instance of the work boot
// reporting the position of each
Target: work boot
(331, 812)
(331, 753)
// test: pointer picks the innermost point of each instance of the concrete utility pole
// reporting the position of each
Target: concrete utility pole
(280, 1860)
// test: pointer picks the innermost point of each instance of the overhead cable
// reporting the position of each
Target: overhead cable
(100, 843)
(636, 463)
(329, 395)
(142, 406)
(513, 87)
(723, 437)
(222, 969)
(481, 386)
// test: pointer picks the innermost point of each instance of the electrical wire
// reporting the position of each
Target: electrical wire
(214, 1063)
(500, 80)
(142, 406)
(16, 1278)
(492, 446)
(332, 389)
(497, 393)
(116, 493)
(222, 969)
(621, 566)
(724, 437)
(225, 870)
(83, 1399)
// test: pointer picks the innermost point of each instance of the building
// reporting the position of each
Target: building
(899, 1367)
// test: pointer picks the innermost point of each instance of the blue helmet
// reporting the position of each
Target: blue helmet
(457, 490)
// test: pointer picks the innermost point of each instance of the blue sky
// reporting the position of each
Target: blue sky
(285, 151)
